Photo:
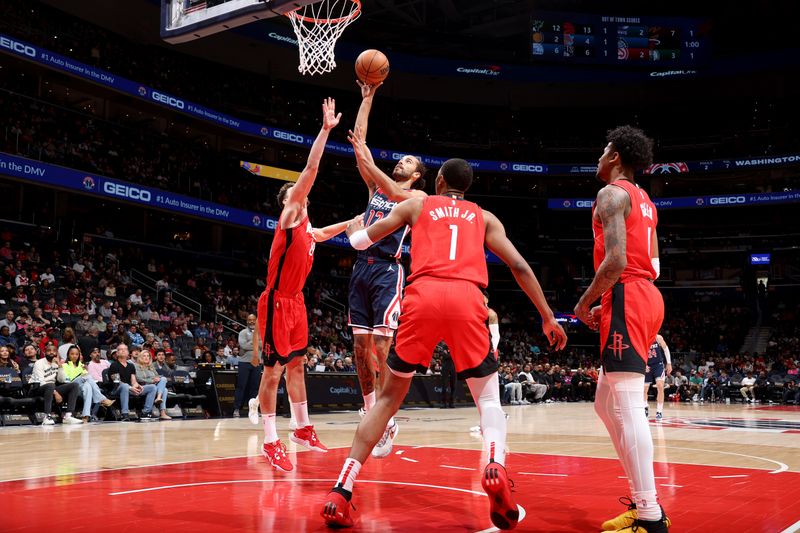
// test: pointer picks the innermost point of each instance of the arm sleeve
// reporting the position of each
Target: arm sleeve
(666, 355)
(494, 329)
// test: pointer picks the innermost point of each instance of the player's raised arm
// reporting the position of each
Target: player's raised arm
(362, 121)
(500, 245)
(404, 214)
(329, 232)
(370, 171)
(611, 204)
(296, 197)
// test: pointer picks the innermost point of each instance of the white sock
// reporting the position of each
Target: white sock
(369, 401)
(620, 406)
(300, 414)
(348, 474)
(486, 393)
(270, 430)
(660, 407)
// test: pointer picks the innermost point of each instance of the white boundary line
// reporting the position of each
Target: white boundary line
(794, 528)
(782, 467)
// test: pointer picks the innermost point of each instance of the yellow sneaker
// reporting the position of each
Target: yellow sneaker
(638, 525)
(623, 520)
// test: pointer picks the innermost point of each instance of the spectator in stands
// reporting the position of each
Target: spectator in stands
(147, 375)
(97, 365)
(123, 373)
(512, 389)
(9, 322)
(21, 280)
(29, 356)
(791, 393)
(45, 372)
(581, 386)
(348, 365)
(248, 376)
(748, 384)
(67, 340)
(5, 337)
(762, 388)
(136, 297)
(48, 276)
(89, 340)
(208, 357)
(711, 389)
(531, 389)
(82, 326)
(56, 322)
(73, 371)
(338, 366)
(5, 359)
(680, 382)
(161, 364)
(695, 384)
(134, 335)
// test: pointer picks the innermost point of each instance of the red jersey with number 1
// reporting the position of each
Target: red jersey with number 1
(447, 241)
(639, 228)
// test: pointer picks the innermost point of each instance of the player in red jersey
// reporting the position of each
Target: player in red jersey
(281, 335)
(630, 313)
(443, 302)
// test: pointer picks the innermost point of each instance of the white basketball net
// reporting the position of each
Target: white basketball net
(318, 27)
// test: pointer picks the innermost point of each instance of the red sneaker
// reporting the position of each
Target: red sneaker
(336, 511)
(308, 437)
(503, 510)
(275, 453)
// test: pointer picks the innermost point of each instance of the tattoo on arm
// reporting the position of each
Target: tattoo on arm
(611, 204)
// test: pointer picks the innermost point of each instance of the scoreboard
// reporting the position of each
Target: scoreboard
(600, 39)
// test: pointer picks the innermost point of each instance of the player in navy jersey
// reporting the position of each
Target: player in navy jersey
(376, 285)
(659, 366)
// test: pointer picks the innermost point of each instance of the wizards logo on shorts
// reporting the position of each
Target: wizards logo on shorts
(88, 183)
(142, 90)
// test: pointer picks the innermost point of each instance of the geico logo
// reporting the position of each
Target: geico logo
(527, 168)
(272, 223)
(293, 137)
(20, 48)
(583, 203)
(169, 100)
(727, 200)
(125, 191)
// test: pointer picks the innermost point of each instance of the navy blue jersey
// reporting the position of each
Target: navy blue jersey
(656, 354)
(391, 246)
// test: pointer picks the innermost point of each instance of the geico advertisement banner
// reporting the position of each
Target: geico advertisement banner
(92, 184)
(692, 202)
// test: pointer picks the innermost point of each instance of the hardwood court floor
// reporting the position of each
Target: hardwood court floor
(719, 468)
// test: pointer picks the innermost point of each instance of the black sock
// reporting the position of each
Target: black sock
(346, 493)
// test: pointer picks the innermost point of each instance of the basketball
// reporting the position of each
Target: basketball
(372, 67)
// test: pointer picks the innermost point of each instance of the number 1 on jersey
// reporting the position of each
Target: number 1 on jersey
(453, 239)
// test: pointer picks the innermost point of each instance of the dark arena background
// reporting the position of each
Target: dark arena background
(142, 146)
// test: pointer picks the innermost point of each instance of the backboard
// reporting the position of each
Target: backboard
(186, 20)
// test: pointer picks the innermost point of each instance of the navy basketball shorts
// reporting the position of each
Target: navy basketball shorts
(376, 288)
(655, 370)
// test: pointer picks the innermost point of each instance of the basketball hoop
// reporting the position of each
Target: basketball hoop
(318, 26)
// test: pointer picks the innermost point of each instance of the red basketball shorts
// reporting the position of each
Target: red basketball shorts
(435, 310)
(283, 326)
(631, 316)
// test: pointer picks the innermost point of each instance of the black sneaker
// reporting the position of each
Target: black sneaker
(647, 411)
(661, 525)
(125, 418)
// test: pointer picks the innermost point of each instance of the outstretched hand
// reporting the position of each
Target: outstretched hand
(329, 117)
(368, 90)
(555, 334)
(356, 224)
(360, 147)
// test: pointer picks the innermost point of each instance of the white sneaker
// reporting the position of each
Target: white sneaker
(515, 402)
(475, 429)
(48, 421)
(384, 446)
(252, 410)
(292, 424)
(548, 401)
(72, 420)
(362, 412)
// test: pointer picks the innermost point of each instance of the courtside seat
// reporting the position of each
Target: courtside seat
(12, 396)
